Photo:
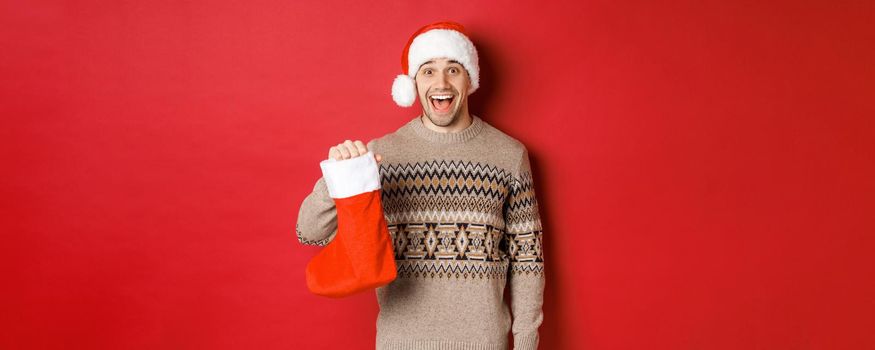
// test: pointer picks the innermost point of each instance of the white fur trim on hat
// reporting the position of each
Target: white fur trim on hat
(404, 90)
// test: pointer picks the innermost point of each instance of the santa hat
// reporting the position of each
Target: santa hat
(441, 39)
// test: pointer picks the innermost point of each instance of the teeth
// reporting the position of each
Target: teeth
(442, 97)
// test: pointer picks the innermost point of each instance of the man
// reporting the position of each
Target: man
(460, 206)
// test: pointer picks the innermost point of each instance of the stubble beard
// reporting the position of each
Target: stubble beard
(442, 121)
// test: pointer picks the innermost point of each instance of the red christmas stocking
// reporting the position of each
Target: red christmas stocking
(361, 255)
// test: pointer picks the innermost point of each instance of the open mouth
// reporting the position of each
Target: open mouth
(441, 103)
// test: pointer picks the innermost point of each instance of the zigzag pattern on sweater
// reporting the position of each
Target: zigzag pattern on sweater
(440, 215)
(443, 177)
(533, 269)
(440, 269)
(322, 242)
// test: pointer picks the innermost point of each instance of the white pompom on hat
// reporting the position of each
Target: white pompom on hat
(441, 39)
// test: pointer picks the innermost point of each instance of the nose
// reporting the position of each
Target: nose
(443, 80)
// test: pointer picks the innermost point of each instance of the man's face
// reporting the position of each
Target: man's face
(442, 86)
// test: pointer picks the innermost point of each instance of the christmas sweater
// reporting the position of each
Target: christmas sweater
(464, 222)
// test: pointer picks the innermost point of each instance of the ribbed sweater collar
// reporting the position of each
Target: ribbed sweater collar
(447, 137)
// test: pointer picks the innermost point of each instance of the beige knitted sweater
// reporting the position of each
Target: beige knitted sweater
(464, 220)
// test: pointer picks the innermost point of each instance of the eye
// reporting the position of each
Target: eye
(427, 71)
(454, 70)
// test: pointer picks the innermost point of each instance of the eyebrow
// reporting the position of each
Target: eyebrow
(432, 61)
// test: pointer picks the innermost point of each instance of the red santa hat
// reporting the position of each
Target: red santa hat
(436, 40)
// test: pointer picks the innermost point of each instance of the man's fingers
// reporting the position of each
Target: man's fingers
(348, 149)
(344, 153)
(353, 150)
(378, 157)
(360, 146)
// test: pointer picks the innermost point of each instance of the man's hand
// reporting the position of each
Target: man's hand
(349, 149)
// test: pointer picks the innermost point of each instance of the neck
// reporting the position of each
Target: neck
(462, 122)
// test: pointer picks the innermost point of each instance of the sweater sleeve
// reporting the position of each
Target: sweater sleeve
(317, 218)
(526, 275)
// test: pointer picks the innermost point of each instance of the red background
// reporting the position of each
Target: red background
(705, 169)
